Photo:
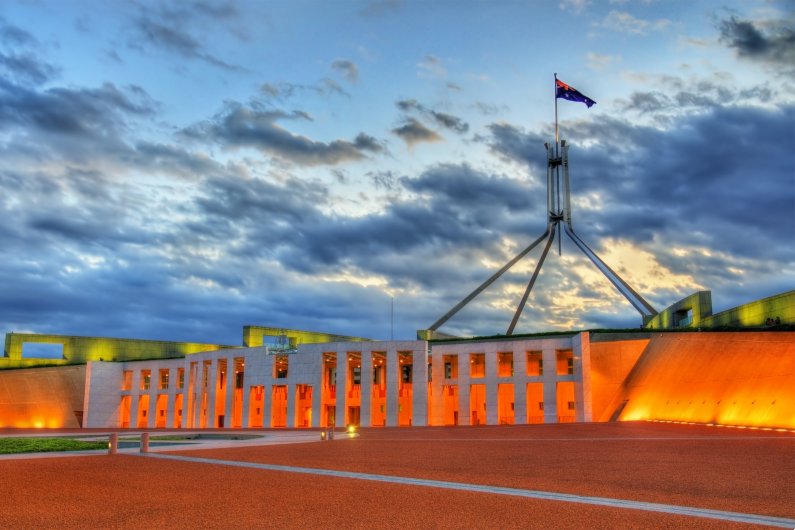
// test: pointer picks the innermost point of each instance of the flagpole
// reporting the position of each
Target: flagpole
(556, 114)
(557, 168)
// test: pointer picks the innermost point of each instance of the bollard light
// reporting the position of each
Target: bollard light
(113, 444)
(323, 434)
(145, 442)
(351, 428)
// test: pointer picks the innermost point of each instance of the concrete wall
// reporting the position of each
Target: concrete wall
(611, 361)
(80, 350)
(752, 314)
(743, 378)
(42, 397)
(756, 313)
(700, 303)
(252, 336)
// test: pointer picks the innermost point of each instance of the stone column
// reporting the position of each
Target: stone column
(581, 349)
(419, 378)
(464, 382)
(437, 383)
(291, 405)
(151, 419)
(342, 388)
(317, 395)
(550, 385)
(135, 393)
(491, 386)
(194, 394)
(244, 408)
(365, 417)
(211, 390)
(171, 399)
(519, 384)
(267, 398)
(392, 385)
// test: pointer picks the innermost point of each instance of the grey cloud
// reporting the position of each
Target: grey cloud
(385, 180)
(488, 109)
(12, 35)
(414, 132)
(175, 40)
(72, 112)
(443, 119)
(347, 69)
(748, 41)
(240, 126)
(697, 95)
(380, 8)
(432, 66)
(283, 91)
(449, 121)
(26, 67)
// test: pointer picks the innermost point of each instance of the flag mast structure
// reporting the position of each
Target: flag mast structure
(559, 218)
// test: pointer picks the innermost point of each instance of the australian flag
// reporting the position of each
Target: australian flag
(562, 90)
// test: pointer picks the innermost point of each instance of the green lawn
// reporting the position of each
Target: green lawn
(42, 445)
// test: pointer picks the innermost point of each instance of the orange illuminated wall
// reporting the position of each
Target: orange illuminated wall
(535, 402)
(178, 410)
(743, 378)
(611, 362)
(279, 406)
(124, 412)
(450, 404)
(378, 398)
(477, 404)
(566, 403)
(160, 411)
(256, 406)
(42, 397)
(505, 404)
(303, 406)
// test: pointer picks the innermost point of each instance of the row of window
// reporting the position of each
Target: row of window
(146, 379)
(534, 364)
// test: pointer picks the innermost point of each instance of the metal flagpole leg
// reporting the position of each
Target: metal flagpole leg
(488, 282)
(637, 301)
(532, 281)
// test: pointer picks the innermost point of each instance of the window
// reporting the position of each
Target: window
(181, 383)
(357, 375)
(239, 380)
(571, 405)
(505, 364)
(406, 369)
(146, 379)
(450, 366)
(570, 363)
(535, 364)
(163, 379)
(540, 405)
(477, 365)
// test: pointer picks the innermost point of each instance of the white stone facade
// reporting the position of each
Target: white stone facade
(348, 382)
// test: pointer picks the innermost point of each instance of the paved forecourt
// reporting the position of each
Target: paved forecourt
(617, 475)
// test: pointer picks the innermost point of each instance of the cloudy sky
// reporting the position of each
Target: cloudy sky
(176, 171)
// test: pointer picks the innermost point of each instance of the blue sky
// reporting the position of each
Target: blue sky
(177, 170)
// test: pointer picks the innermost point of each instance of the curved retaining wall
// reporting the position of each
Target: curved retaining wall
(743, 378)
